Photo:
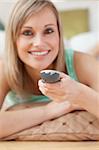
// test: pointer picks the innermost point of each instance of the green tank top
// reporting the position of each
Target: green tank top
(12, 99)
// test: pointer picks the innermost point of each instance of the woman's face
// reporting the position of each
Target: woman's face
(38, 41)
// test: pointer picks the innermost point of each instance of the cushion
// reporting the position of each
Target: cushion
(74, 126)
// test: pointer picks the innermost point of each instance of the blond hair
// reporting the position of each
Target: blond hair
(15, 70)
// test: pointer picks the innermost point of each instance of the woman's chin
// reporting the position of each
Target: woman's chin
(39, 67)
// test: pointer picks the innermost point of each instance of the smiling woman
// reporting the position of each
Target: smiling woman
(34, 42)
(39, 42)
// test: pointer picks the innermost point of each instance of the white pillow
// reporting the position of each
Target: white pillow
(83, 42)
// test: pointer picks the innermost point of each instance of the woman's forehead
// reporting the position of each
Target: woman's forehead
(43, 17)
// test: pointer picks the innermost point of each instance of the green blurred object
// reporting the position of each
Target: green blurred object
(74, 22)
(1, 26)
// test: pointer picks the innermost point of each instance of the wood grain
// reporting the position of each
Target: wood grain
(13, 145)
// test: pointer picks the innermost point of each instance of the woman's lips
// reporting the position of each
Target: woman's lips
(39, 53)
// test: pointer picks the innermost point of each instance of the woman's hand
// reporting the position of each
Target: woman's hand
(66, 89)
(55, 109)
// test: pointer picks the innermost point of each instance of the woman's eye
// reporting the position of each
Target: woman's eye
(27, 33)
(48, 31)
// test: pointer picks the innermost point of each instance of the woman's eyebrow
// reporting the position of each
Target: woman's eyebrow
(44, 26)
(50, 25)
(27, 27)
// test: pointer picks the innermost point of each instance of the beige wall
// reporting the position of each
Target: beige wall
(74, 22)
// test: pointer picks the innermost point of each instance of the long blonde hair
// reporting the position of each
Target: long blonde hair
(15, 69)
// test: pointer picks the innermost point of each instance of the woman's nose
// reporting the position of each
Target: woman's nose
(37, 40)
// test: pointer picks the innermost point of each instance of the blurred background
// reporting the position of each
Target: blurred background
(80, 20)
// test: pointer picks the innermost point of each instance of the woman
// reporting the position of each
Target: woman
(34, 42)
(95, 51)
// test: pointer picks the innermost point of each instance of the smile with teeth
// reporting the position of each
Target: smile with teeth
(39, 53)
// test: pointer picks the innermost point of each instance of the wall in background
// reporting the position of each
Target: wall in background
(77, 15)
(5, 9)
(74, 22)
(91, 5)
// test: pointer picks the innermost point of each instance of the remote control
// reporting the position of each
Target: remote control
(50, 76)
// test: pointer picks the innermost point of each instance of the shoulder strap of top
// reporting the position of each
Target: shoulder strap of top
(69, 57)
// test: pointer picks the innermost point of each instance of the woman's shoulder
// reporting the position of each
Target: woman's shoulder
(3, 77)
(4, 87)
(84, 60)
(86, 67)
(2, 67)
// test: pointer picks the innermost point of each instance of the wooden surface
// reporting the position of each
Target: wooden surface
(49, 145)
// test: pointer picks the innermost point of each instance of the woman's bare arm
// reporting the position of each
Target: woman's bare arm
(17, 120)
(14, 121)
(83, 94)
(88, 73)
